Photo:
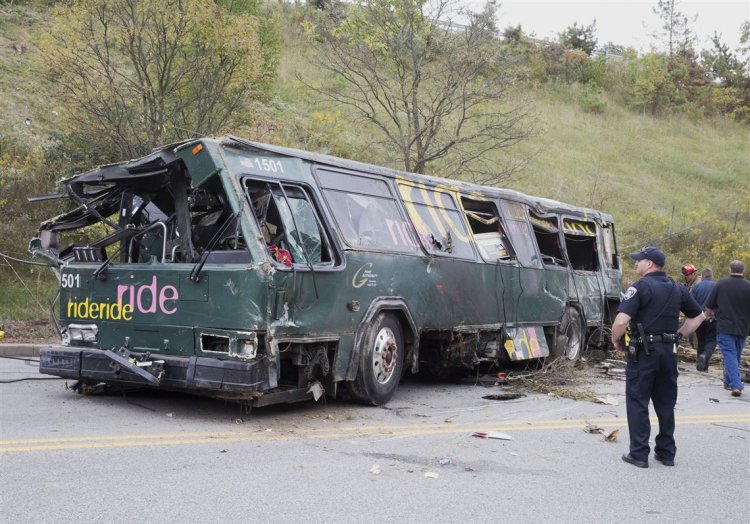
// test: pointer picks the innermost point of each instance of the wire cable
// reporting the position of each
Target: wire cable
(29, 262)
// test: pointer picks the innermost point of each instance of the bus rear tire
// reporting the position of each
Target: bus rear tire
(568, 337)
(381, 363)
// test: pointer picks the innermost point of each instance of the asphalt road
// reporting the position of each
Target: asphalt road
(175, 458)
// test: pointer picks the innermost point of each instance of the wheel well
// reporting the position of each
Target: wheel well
(397, 307)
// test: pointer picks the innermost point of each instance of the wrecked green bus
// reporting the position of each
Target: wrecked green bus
(247, 271)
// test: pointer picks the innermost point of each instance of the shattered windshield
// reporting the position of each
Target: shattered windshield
(144, 217)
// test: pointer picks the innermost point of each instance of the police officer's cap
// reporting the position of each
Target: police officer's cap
(654, 254)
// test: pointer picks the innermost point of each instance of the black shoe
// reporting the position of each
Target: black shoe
(637, 463)
(666, 462)
(701, 363)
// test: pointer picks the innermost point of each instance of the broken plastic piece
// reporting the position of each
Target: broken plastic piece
(431, 475)
(608, 400)
(492, 434)
(317, 390)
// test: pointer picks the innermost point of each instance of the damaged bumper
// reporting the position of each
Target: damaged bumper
(207, 376)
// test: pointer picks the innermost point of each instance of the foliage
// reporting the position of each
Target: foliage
(580, 37)
(592, 100)
(134, 74)
(434, 91)
(714, 241)
(24, 172)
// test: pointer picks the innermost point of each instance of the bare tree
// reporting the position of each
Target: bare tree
(675, 30)
(436, 90)
(134, 74)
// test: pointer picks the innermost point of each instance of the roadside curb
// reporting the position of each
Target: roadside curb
(21, 350)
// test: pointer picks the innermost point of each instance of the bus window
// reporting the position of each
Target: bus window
(365, 212)
(580, 243)
(520, 233)
(548, 239)
(289, 224)
(438, 222)
(486, 226)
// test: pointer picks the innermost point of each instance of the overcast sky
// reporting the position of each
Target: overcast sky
(623, 22)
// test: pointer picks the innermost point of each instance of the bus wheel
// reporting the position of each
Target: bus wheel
(382, 362)
(568, 341)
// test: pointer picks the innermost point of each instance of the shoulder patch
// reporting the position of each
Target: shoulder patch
(630, 293)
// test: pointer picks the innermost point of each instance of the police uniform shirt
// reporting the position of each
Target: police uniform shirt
(656, 301)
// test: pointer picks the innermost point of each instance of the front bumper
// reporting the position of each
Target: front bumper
(208, 376)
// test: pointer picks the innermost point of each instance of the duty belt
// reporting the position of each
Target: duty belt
(662, 337)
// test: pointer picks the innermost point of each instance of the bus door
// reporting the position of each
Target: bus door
(303, 255)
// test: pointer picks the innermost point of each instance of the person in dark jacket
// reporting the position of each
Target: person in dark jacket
(706, 332)
(652, 306)
(729, 303)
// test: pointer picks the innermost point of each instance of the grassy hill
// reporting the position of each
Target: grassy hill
(646, 172)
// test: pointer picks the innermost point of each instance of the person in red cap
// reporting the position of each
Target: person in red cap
(690, 274)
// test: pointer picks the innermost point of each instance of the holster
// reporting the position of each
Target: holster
(643, 338)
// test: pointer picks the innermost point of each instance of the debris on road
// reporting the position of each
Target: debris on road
(375, 469)
(492, 434)
(431, 475)
(504, 396)
(592, 428)
(612, 435)
(317, 390)
(609, 400)
(446, 461)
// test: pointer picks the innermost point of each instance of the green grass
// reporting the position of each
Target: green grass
(26, 295)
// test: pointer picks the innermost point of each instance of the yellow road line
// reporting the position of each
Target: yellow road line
(344, 432)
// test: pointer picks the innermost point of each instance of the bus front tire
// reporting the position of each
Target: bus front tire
(568, 338)
(381, 362)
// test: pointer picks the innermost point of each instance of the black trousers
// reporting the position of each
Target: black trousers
(654, 378)
(706, 334)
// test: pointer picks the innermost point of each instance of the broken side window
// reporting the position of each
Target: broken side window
(580, 243)
(520, 232)
(487, 229)
(290, 224)
(547, 236)
(366, 213)
(438, 221)
(608, 243)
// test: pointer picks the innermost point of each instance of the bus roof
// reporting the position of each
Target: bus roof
(161, 158)
(540, 204)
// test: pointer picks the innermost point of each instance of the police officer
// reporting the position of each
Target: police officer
(652, 307)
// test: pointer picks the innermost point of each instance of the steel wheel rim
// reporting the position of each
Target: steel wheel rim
(384, 355)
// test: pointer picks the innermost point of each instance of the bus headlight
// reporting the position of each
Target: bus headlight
(85, 333)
